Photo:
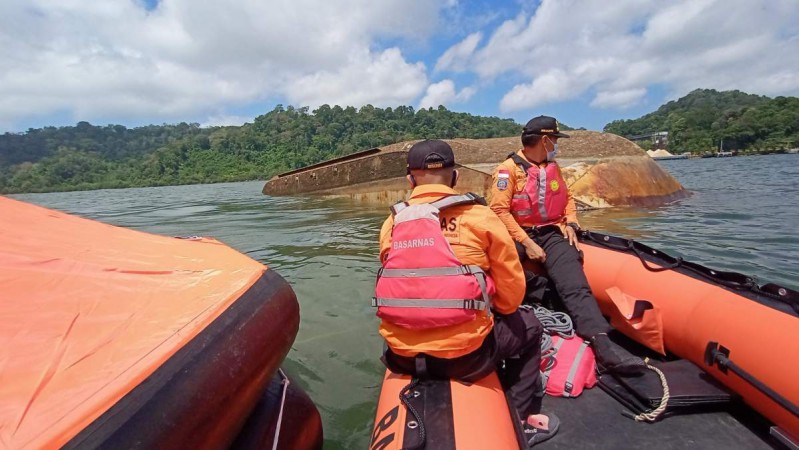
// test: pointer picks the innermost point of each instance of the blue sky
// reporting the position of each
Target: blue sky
(586, 62)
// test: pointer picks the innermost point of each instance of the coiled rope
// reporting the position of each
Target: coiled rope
(554, 322)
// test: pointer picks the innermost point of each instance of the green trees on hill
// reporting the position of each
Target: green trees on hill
(92, 157)
(699, 121)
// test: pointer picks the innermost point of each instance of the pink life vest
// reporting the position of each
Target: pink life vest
(571, 368)
(422, 284)
(545, 195)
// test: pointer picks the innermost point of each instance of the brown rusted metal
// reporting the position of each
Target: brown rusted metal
(601, 169)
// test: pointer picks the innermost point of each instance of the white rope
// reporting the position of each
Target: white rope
(285, 382)
(652, 415)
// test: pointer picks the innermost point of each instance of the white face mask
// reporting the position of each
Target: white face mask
(551, 155)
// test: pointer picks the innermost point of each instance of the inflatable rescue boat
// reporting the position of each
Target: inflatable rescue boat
(743, 334)
(740, 333)
(115, 338)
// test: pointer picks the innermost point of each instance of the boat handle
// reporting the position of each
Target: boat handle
(718, 354)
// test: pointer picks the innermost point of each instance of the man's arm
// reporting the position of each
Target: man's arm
(385, 238)
(504, 266)
(503, 187)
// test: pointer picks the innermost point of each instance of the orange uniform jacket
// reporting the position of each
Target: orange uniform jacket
(477, 237)
(500, 199)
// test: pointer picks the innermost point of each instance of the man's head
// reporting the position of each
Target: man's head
(540, 135)
(431, 162)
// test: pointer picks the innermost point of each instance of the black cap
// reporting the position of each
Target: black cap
(431, 154)
(543, 126)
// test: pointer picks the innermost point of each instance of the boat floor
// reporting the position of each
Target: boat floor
(594, 421)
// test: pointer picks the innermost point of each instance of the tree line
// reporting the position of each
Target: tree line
(704, 119)
(93, 157)
(86, 156)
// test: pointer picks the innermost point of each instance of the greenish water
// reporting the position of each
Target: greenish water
(743, 216)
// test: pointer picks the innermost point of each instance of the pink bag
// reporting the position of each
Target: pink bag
(571, 369)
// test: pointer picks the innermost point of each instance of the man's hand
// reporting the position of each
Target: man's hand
(570, 235)
(534, 252)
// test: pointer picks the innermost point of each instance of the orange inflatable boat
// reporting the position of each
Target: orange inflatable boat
(120, 339)
(743, 334)
(443, 414)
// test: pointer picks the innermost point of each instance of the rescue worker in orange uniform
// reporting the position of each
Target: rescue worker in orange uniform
(531, 198)
(473, 348)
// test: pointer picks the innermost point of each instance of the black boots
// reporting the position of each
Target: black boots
(613, 358)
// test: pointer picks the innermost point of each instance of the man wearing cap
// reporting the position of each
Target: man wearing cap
(531, 198)
(473, 347)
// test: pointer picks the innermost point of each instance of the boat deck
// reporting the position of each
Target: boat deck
(595, 421)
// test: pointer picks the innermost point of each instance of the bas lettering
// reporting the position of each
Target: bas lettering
(448, 224)
(382, 426)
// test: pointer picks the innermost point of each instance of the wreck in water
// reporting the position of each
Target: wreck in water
(601, 169)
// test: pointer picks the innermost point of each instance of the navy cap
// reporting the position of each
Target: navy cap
(430, 154)
(543, 126)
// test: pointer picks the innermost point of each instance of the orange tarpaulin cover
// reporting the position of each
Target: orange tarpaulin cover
(89, 310)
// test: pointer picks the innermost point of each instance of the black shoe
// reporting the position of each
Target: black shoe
(615, 359)
(535, 435)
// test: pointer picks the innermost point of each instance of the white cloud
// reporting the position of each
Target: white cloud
(566, 49)
(457, 55)
(195, 60)
(224, 120)
(384, 79)
(553, 86)
(618, 99)
(443, 93)
(92, 61)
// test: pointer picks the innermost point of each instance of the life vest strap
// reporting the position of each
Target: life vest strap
(573, 370)
(546, 373)
(396, 208)
(444, 303)
(429, 272)
(469, 198)
(520, 162)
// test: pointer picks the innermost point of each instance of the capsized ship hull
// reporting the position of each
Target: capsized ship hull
(602, 170)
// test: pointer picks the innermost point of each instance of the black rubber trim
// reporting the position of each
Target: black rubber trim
(201, 396)
(434, 402)
(774, 296)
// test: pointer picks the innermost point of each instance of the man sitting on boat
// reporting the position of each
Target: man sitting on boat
(532, 199)
(449, 291)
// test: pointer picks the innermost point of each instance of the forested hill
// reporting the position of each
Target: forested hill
(700, 120)
(92, 157)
